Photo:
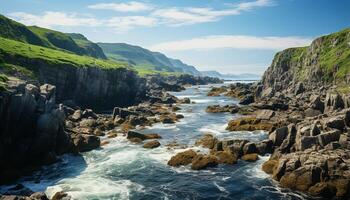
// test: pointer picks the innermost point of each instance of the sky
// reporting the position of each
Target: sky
(229, 36)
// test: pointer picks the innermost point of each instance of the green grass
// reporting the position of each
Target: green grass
(335, 54)
(144, 71)
(3, 79)
(17, 71)
(54, 56)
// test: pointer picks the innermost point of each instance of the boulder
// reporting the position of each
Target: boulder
(39, 196)
(88, 113)
(247, 99)
(333, 102)
(279, 135)
(182, 158)
(234, 146)
(249, 148)
(122, 113)
(220, 109)
(316, 103)
(151, 144)
(320, 189)
(250, 157)
(207, 141)
(264, 147)
(203, 161)
(269, 166)
(225, 157)
(265, 114)
(306, 142)
(310, 112)
(315, 130)
(248, 124)
(299, 88)
(60, 196)
(347, 117)
(328, 137)
(77, 115)
(134, 134)
(333, 146)
(85, 142)
(336, 122)
(87, 123)
(288, 143)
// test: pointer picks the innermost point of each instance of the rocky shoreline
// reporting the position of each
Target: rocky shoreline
(308, 131)
(37, 130)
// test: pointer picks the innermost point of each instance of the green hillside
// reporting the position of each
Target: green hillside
(13, 30)
(19, 49)
(144, 59)
(89, 47)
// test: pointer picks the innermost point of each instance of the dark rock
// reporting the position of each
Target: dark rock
(333, 102)
(151, 144)
(134, 134)
(88, 113)
(332, 146)
(248, 99)
(279, 135)
(39, 196)
(328, 137)
(316, 103)
(85, 142)
(249, 148)
(310, 112)
(299, 88)
(336, 122)
(60, 196)
(264, 147)
(306, 142)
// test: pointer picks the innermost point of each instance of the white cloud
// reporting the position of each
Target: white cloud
(49, 19)
(123, 24)
(194, 15)
(132, 6)
(232, 41)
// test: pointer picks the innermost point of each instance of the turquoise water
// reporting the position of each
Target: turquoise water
(122, 170)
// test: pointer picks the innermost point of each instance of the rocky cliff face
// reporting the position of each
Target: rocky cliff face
(32, 129)
(91, 87)
(325, 62)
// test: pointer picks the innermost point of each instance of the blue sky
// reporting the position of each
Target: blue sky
(230, 36)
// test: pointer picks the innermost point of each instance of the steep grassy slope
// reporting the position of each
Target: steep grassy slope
(13, 30)
(75, 43)
(89, 47)
(19, 49)
(325, 62)
(144, 59)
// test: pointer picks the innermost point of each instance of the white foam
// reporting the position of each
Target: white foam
(97, 187)
(222, 189)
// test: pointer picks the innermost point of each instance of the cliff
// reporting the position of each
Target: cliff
(88, 87)
(325, 62)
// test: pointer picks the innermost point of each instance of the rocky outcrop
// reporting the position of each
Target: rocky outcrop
(322, 173)
(88, 87)
(310, 68)
(35, 130)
